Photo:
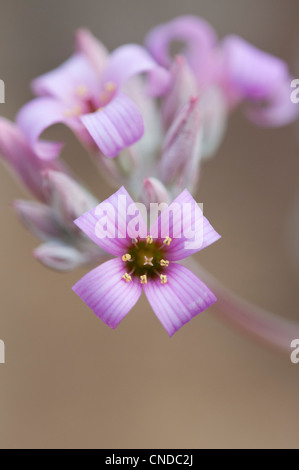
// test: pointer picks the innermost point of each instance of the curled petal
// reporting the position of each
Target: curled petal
(132, 59)
(279, 110)
(184, 222)
(180, 299)
(18, 154)
(107, 294)
(116, 126)
(252, 73)
(107, 224)
(198, 35)
(39, 219)
(36, 116)
(59, 256)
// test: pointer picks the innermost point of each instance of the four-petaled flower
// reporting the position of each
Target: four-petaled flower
(145, 263)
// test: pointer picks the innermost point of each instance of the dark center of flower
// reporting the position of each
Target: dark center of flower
(145, 259)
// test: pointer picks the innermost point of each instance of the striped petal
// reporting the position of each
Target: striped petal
(116, 126)
(107, 225)
(184, 222)
(107, 294)
(179, 300)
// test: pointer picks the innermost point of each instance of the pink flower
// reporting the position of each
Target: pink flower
(85, 93)
(239, 69)
(146, 262)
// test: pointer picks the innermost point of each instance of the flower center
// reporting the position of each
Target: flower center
(145, 259)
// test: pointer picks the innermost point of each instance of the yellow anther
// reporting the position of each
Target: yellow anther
(110, 86)
(164, 262)
(127, 277)
(100, 109)
(167, 241)
(149, 239)
(68, 113)
(77, 110)
(126, 257)
(143, 279)
(163, 278)
(81, 90)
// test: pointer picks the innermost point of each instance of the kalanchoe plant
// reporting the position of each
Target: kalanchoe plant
(147, 120)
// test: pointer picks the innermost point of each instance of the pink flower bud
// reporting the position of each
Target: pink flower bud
(67, 197)
(181, 153)
(153, 191)
(39, 219)
(56, 255)
(183, 87)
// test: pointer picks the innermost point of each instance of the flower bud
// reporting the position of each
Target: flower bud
(153, 191)
(59, 256)
(67, 197)
(39, 219)
(181, 153)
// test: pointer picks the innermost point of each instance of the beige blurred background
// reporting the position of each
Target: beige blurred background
(70, 381)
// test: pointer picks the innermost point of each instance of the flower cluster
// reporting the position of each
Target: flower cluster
(148, 120)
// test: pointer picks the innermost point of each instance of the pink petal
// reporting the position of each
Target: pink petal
(279, 111)
(92, 49)
(36, 116)
(116, 126)
(251, 72)
(189, 234)
(63, 82)
(114, 209)
(18, 154)
(132, 59)
(200, 39)
(107, 294)
(179, 300)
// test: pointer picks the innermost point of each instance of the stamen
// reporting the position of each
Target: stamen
(148, 261)
(164, 262)
(163, 278)
(167, 241)
(149, 239)
(77, 110)
(134, 241)
(81, 90)
(110, 86)
(127, 277)
(68, 113)
(126, 257)
(143, 279)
